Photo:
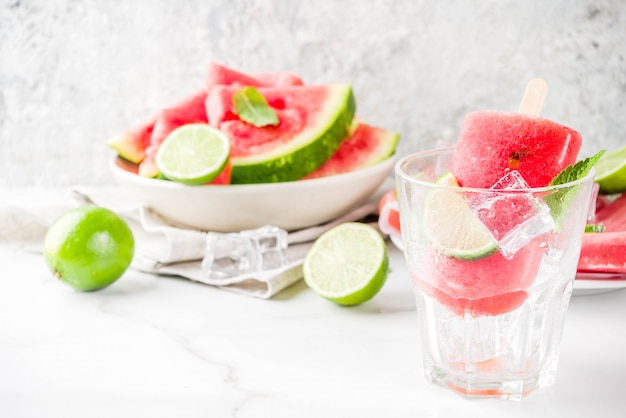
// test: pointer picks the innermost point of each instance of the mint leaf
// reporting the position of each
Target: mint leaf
(594, 228)
(252, 107)
(560, 200)
(576, 171)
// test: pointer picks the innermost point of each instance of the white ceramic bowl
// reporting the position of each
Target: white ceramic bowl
(289, 205)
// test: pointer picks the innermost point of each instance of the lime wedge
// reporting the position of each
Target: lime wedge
(452, 227)
(193, 154)
(347, 264)
(611, 171)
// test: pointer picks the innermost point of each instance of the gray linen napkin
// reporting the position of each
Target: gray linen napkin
(161, 247)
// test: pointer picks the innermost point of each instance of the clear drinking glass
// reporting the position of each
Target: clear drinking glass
(491, 319)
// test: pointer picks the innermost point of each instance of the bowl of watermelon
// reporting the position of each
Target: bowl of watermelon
(291, 154)
(228, 208)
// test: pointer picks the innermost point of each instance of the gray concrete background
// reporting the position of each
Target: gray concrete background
(73, 73)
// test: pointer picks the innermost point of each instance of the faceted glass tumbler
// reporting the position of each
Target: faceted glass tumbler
(491, 323)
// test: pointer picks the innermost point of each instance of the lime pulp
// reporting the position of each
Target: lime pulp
(451, 226)
(193, 154)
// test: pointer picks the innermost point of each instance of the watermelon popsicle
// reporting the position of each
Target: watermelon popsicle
(499, 151)
(491, 315)
(490, 324)
(513, 150)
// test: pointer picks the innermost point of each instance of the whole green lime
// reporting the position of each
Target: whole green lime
(89, 247)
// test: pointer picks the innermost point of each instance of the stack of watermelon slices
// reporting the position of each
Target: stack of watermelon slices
(317, 134)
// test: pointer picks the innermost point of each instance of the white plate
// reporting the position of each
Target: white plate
(585, 283)
(598, 282)
(289, 205)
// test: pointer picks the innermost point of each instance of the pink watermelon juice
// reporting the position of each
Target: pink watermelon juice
(493, 285)
(491, 319)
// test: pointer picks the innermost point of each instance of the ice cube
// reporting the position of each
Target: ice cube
(513, 218)
(269, 242)
(232, 254)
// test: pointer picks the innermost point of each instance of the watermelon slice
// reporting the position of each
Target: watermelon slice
(606, 251)
(493, 143)
(313, 121)
(388, 214)
(366, 146)
(603, 252)
(131, 145)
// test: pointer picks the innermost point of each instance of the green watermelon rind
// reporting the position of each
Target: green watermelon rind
(305, 152)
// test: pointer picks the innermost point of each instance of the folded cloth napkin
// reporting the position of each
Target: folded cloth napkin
(162, 247)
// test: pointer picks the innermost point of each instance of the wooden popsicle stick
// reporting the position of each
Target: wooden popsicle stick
(534, 95)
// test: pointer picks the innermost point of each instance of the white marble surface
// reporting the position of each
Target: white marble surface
(165, 347)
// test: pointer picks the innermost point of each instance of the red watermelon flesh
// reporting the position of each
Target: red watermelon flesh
(366, 146)
(277, 79)
(189, 110)
(142, 132)
(489, 286)
(148, 167)
(391, 223)
(219, 106)
(224, 177)
(493, 143)
(218, 74)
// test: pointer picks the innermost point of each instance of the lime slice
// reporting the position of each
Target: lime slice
(611, 172)
(347, 264)
(193, 154)
(451, 226)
